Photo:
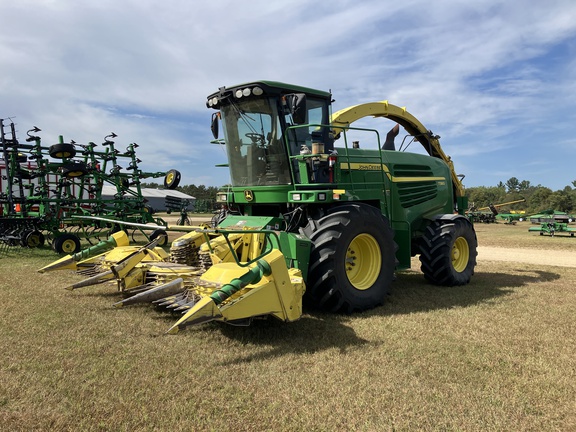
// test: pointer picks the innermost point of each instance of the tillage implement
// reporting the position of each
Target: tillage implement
(317, 211)
(55, 193)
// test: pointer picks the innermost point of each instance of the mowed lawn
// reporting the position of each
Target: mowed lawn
(496, 355)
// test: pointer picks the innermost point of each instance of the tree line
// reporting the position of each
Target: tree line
(537, 198)
(205, 195)
(198, 192)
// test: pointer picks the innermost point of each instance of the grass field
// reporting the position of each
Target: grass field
(496, 355)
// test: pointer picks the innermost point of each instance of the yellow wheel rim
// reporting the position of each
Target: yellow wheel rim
(162, 240)
(460, 254)
(68, 246)
(170, 178)
(363, 261)
(33, 241)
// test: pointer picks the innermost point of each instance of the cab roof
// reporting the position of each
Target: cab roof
(275, 88)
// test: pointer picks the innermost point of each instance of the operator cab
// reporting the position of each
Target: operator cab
(266, 124)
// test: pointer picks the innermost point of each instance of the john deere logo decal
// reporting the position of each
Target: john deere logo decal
(249, 195)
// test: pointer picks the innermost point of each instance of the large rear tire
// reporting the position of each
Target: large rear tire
(448, 252)
(352, 259)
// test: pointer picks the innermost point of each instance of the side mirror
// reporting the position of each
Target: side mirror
(297, 107)
(214, 124)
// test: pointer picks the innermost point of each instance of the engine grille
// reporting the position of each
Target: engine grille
(416, 189)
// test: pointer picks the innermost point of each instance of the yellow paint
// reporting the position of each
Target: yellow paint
(363, 261)
(377, 167)
(278, 294)
(345, 117)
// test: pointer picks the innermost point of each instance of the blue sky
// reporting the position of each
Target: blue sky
(495, 79)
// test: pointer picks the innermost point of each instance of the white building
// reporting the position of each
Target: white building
(156, 198)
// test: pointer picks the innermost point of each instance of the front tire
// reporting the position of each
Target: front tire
(66, 243)
(448, 252)
(352, 259)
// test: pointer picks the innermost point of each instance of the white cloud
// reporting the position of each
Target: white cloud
(484, 75)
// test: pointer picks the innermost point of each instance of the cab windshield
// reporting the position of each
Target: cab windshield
(253, 136)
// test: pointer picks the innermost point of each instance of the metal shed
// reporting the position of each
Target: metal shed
(156, 198)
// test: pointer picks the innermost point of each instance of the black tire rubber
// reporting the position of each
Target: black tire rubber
(34, 239)
(66, 243)
(62, 151)
(438, 246)
(172, 179)
(74, 169)
(328, 286)
(23, 236)
(25, 174)
(163, 237)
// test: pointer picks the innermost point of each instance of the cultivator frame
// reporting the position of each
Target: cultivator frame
(48, 189)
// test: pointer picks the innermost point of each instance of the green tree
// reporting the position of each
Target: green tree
(483, 196)
(513, 184)
(151, 185)
(540, 199)
(524, 185)
(562, 200)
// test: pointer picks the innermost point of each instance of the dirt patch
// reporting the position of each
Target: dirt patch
(540, 256)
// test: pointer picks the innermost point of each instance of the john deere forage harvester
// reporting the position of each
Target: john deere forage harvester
(308, 219)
